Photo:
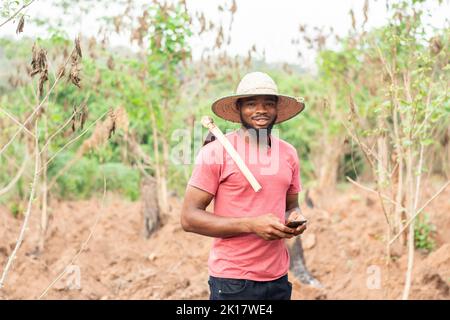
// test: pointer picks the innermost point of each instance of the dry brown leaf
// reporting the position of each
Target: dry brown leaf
(110, 63)
(352, 15)
(435, 45)
(233, 8)
(74, 120)
(20, 25)
(74, 74)
(84, 115)
(42, 79)
(117, 119)
(366, 11)
(39, 66)
(61, 71)
(78, 47)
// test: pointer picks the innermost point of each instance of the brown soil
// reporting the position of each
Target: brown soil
(344, 241)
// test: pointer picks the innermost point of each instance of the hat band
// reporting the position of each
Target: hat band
(260, 90)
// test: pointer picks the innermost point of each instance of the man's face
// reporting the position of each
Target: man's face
(258, 112)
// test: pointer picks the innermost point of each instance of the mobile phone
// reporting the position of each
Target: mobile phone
(295, 223)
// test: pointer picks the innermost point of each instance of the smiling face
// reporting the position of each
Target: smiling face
(258, 112)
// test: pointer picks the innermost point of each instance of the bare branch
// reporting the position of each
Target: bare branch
(374, 191)
(411, 230)
(16, 13)
(59, 130)
(418, 212)
(27, 213)
(30, 117)
(17, 177)
(53, 181)
(366, 153)
(16, 121)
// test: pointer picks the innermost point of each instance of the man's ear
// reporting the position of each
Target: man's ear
(238, 104)
(238, 108)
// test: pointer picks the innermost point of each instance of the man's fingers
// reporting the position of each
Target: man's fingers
(279, 234)
(293, 216)
(281, 227)
(296, 215)
(270, 237)
(300, 229)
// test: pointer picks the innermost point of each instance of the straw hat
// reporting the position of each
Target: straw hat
(252, 84)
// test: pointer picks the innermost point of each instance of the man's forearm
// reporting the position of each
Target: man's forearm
(296, 208)
(208, 224)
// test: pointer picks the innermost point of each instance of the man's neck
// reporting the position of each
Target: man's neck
(259, 138)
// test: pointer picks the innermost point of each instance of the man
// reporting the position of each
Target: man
(249, 258)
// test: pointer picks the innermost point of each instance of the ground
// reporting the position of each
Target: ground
(344, 249)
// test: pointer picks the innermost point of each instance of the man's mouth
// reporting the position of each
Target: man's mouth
(261, 120)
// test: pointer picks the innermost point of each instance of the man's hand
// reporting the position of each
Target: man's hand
(296, 215)
(269, 227)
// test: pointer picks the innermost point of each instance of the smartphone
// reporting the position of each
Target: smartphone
(296, 223)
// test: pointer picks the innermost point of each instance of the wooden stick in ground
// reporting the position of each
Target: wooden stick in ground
(208, 123)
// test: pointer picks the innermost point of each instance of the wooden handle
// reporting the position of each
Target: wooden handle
(208, 123)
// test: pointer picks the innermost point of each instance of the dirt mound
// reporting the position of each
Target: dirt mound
(435, 274)
(348, 255)
(118, 261)
(345, 250)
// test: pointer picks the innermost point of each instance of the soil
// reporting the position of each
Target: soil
(344, 249)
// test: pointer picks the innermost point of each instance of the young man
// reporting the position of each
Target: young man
(249, 258)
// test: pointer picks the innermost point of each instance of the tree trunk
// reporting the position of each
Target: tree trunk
(164, 177)
(410, 213)
(158, 167)
(298, 265)
(327, 164)
(150, 208)
(44, 208)
(44, 212)
(446, 155)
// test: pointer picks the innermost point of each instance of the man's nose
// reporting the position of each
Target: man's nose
(261, 107)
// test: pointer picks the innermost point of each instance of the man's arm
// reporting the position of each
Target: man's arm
(195, 218)
(292, 204)
(293, 212)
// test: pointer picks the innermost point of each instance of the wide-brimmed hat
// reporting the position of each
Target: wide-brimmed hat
(254, 84)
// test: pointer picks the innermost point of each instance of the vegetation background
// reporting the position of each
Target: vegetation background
(79, 117)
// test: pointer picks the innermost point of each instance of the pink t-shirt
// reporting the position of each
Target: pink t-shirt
(248, 256)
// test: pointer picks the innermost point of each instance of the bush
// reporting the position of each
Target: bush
(423, 231)
(121, 178)
(85, 178)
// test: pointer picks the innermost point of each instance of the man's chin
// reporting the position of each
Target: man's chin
(262, 128)
(259, 128)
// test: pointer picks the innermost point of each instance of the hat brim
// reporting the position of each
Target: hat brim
(288, 107)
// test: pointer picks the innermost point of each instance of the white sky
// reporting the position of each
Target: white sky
(270, 24)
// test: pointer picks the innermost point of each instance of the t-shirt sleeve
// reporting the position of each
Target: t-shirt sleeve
(296, 184)
(207, 169)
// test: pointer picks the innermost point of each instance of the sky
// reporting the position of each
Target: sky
(269, 24)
